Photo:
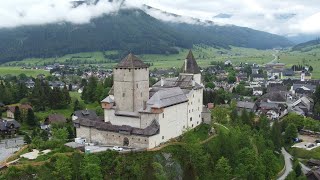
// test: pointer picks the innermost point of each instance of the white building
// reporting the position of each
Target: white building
(141, 117)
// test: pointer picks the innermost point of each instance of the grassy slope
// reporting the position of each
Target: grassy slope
(18, 70)
(310, 58)
(203, 54)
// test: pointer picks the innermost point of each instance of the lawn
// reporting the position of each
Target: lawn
(18, 70)
(305, 154)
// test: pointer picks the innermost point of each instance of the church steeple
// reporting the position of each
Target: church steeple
(190, 65)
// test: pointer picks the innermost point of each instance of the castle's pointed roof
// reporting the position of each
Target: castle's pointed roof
(191, 66)
(131, 61)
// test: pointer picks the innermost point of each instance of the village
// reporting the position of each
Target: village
(133, 110)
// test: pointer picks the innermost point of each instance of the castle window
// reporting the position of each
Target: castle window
(145, 140)
(137, 85)
(139, 139)
(191, 119)
(162, 115)
(123, 94)
(162, 137)
(192, 125)
(199, 115)
(189, 110)
(141, 94)
(193, 95)
(197, 122)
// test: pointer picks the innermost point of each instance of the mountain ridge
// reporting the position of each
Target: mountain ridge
(128, 30)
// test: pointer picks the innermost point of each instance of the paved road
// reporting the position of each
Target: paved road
(304, 168)
(288, 164)
(9, 146)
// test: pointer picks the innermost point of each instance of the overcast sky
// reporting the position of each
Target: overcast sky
(284, 17)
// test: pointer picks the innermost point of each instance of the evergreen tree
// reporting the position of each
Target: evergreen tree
(276, 136)
(223, 170)
(291, 133)
(31, 120)
(17, 114)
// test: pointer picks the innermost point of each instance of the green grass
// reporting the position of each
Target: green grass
(67, 111)
(18, 70)
(204, 55)
(303, 58)
(305, 154)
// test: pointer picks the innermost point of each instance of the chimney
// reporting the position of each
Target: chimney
(185, 65)
(193, 83)
(162, 81)
(302, 76)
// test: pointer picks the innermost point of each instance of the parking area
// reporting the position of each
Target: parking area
(9, 147)
(308, 142)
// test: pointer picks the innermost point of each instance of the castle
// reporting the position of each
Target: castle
(139, 116)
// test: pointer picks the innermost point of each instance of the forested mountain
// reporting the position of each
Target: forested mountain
(128, 30)
(307, 46)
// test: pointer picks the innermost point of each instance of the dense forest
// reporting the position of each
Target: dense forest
(128, 30)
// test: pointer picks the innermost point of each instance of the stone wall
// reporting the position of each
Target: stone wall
(131, 88)
(108, 138)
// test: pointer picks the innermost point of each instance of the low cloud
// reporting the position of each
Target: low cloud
(285, 17)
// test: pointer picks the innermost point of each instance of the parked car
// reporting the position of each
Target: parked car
(117, 148)
(310, 145)
(297, 140)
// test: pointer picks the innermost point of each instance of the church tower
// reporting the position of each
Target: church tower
(190, 67)
(131, 84)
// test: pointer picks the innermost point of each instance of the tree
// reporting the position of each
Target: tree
(60, 134)
(17, 114)
(27, 139)
(220, 114)
(90, 168)
(276, 136)
(63, 167)
(310, 68)
(222, 170)
(271, 162)
(31, 119)
(291, 132)
(159, 172)
(210, 85)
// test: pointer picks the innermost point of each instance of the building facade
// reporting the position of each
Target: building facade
(139, 116)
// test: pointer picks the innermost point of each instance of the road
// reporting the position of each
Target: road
(275, 55)
(304, 168)
(9, 146)
(288, 164)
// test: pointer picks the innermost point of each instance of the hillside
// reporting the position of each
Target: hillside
(307, 46)
(128, 30)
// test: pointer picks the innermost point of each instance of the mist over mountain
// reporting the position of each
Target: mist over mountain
(307, 46)
(126, 30)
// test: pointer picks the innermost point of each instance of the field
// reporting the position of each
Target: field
(18, 70)
(303, 58)
(204, 55)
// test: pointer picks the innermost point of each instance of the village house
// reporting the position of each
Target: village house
(23, 109)
(257, 77)
(52, 119)
(248, 106)
(9, 127)
(138, 117)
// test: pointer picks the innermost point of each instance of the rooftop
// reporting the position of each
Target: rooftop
(131, 61)
(191, 66)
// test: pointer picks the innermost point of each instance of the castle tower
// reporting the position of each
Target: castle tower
(190, 67)
(131, 84)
